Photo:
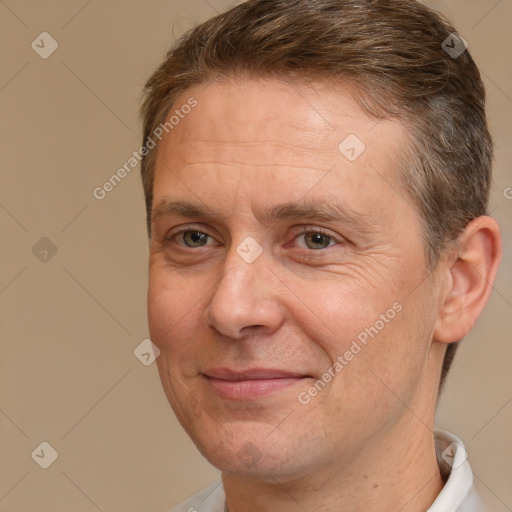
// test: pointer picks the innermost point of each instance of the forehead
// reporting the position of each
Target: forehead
(314, 117)
(288, 137)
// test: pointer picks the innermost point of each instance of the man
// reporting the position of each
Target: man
(316, 177)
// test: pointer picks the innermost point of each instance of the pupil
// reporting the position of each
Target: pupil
(196, 236)
(317, 238)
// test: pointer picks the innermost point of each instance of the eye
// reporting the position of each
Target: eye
(191, 238)
(316, 239)
(313, 239)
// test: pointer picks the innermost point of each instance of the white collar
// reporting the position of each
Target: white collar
(452, 459)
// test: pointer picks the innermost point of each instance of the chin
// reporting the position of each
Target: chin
(251, 452)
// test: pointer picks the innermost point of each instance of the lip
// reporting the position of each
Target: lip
(250, 384)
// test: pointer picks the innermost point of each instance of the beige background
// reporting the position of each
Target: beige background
(69, 325)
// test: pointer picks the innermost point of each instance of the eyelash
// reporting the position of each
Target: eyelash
(170, 237)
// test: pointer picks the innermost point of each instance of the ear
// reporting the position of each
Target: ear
(468, 281)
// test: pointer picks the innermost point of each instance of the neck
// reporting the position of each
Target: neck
(396, 471)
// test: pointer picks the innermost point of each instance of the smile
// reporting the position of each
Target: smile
(250, 384)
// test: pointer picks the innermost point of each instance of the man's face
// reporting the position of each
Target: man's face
(250, 309)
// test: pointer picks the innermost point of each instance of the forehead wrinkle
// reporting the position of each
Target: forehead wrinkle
(239, 164)
(209, 145)
(261, 153)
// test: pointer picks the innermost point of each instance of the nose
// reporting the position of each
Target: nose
(245, 298)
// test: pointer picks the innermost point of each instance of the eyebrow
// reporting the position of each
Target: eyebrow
(313, 210)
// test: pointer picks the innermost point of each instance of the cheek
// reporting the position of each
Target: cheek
(388, 371)
(336, 312)
(160, 311)
(173, 314)
(173, 311)
(381, 332)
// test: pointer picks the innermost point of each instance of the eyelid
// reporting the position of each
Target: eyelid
(317, 229)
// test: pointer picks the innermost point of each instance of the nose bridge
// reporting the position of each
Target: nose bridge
(244, 262)
(237, 283)
(238, 274)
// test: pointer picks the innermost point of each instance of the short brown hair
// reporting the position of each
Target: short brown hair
(392, 51)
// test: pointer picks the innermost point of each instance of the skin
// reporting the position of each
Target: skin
(365, 442)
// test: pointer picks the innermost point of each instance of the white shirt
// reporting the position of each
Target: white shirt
(457, 495)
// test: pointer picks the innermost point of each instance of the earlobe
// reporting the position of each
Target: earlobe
(469, 280)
